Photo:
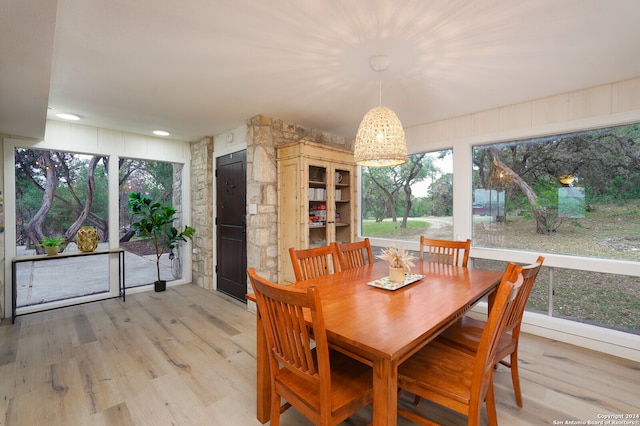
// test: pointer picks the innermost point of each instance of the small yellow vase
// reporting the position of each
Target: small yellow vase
(87, 239)
(396, 275)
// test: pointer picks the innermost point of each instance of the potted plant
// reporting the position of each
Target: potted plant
(52, 245)
(155, 221)
(400, 261)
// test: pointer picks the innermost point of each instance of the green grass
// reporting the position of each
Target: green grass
(389, 229)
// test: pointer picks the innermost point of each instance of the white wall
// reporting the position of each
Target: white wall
(229, 142)
(92, 140)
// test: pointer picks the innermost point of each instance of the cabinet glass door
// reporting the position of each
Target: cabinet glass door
(318, 230)
(342, 179)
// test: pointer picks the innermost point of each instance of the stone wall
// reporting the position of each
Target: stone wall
(202, 189)
(264, 134)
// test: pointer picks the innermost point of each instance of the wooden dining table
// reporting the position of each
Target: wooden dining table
(384, 327)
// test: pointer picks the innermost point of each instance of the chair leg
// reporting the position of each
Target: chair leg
(490, 402)
(275, 410)
(515, 378)
(416, 400)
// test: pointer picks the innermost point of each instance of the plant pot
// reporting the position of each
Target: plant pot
(396, 275)
(160, 285)
(51, 251)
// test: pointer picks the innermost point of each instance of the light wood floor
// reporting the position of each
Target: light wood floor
(187, 357)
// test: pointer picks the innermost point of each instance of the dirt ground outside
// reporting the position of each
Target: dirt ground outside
(597, 298)
(139, 247)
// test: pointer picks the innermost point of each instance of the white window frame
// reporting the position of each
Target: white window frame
(68, 137)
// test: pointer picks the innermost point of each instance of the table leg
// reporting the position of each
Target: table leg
(121, 278)
(385, 393)
(491, 298)
(263, 375)
(14, 289)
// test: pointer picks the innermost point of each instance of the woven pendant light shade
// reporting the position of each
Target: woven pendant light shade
(380, 141)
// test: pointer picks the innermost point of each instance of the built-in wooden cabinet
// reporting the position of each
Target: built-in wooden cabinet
(316, 199)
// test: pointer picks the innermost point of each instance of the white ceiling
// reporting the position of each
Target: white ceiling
(203, 67)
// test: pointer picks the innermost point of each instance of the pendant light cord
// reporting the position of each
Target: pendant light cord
(379, 89)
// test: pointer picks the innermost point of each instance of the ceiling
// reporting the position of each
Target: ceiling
(203, 67)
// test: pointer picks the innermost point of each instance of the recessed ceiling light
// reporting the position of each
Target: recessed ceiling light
(68, 116)
(161, 133)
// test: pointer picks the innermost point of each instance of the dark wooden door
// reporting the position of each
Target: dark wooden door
(231, 226)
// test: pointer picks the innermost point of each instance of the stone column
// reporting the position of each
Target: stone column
(262, 231)
(202, 187)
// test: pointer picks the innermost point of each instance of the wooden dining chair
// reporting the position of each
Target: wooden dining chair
(455, 378)
(354, 255)
(314, 262)
(323, 384)
(467, 331)
(446, 252)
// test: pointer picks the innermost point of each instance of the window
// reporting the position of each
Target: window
(575, 194)
(162, 181)
(410, 200)
(572, 194)
(59, 192)
(56, 194)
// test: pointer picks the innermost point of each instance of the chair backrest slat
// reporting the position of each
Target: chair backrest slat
(445, 252)
(314, 262)
(354, 255)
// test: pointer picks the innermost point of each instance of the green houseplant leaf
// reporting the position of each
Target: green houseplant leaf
(53, 244)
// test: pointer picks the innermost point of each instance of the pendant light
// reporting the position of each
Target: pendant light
(380, 141)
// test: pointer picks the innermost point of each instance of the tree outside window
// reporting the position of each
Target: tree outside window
(57, 193)
(404, 202)
(574, 194)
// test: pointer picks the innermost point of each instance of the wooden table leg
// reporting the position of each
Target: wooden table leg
(490, 299)
(263, 374)
(385, 393)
